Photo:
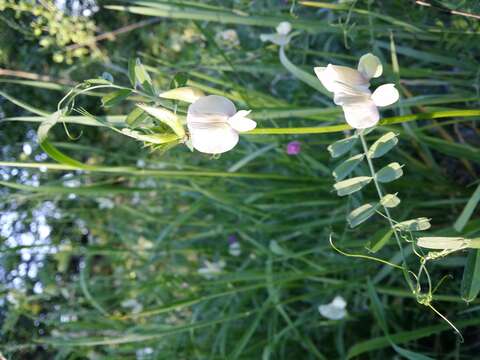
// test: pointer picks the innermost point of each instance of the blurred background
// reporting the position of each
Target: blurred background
(177, 255)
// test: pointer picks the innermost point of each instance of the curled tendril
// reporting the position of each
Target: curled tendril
(364, 256)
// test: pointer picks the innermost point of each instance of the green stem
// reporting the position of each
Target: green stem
(386, 121)
(151, 172)
(387, 212)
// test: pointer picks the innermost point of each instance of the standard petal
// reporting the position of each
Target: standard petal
(213, 139)
(361, 115)
(241, 123)
(334, 76)
(284, 28)
(212, 105)
(385, 95)
(370, 66)
(347, 75)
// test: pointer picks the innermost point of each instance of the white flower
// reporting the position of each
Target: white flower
(211, 269)
(334, 310)
(144, 354)
(144, 244)
(214, 124)
(281, 38)
(133, 304)
(235, 249)
(105, 203)
(351, 90)
(228, 37)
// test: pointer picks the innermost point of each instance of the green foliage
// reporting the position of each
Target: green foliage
(67, 37)
(389, 173)
(349, 186)
(471, 276)
(346, 167)
(340, 147)
(361, 214)
(383, 145)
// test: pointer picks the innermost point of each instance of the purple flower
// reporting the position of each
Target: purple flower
(294, 148)
(232, 239)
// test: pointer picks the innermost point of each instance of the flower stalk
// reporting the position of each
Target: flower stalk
(387, 212)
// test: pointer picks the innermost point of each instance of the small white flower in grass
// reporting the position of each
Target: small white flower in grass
(105, 203)
(350, 88)
(228, 37)
(144, 354)
(214, 124)
(234, 247)
(134, 306)
(27, 149)
(281, 37)
(335, 310)
(211, 269)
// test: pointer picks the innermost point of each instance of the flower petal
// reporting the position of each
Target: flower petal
(212, 105)
(370, 66)
(242, 113)
(240, 122)
(243, 124)
(325, 78)
(361, 115)
(348, 95)
(385, 95)
(284, 28)
(277, 39)
(335, 310)
(339, 302)
(334, 74)
(215, 139)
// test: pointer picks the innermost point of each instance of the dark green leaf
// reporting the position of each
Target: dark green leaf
(131, 72)
(379, 240)
(471, 276)
(115, 97)
(468, 210)
(410, 355)
(98, 81)
(143, 78)
(136, 117)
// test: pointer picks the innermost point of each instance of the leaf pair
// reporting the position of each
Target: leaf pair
(139, 76)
